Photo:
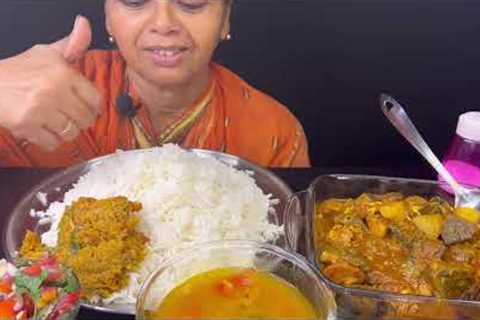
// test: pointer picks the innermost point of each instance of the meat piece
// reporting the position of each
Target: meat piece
(451, 280)
(406, 232)
(386, 282)
(333, 255)
(473, 293)
(456, 230)
(367, 204)
(415, 204)
(329, 255)
(340, 236)
(437, 205)
(428, 249)
(414, 268)
(350, 219)
(344, 274)
(463, 253)
(346, 236)
(332, 206)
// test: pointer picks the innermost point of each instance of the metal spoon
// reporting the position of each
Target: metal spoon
(464, 198)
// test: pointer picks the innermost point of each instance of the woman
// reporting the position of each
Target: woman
(59, 104)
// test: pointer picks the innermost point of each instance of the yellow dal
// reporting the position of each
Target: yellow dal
(234, 293)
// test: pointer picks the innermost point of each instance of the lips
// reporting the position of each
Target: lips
(167, 57)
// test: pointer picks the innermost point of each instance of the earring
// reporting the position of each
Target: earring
(228, 37)
(111, 39)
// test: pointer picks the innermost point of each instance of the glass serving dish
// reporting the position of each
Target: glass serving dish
(54, 188)
(353, 303)
(286, 265)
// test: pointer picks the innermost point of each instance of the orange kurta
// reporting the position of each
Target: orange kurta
(231, 117)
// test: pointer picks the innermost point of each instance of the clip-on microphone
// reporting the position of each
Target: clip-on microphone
(126, 108)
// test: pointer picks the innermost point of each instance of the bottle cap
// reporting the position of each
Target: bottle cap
(468, 126)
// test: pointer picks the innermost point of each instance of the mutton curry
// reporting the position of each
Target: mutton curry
(400, 244)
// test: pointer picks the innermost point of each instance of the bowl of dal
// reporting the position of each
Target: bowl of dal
(181, 198)
(235, 279)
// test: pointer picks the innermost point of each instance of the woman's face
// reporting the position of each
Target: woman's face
(167, 42)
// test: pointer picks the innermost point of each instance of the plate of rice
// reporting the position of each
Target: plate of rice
(171, 198)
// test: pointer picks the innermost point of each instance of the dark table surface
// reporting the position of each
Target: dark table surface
(14, 183)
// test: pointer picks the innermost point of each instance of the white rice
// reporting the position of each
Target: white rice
(186, 199)
(42, 198)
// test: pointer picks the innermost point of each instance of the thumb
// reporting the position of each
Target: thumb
(77, 42)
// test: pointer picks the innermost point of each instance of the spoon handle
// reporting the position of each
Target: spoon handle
(400, 120)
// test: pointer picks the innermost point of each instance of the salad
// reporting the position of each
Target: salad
(40, 290)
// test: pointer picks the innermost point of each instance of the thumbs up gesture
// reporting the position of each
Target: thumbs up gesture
(43, 99)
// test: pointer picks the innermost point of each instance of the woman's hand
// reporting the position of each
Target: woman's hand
(43, 99)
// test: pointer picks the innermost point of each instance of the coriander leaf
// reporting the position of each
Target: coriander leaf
(31, 284)
(72, 284)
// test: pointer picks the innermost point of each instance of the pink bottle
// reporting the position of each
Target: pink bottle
(463, 156)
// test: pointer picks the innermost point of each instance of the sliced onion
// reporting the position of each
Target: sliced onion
(21, 316)
(18, 303)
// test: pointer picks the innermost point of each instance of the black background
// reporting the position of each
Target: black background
(327, 60)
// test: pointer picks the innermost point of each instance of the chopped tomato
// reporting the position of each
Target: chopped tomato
(28, 305)
(244, 279)
(73, 297)
(54, 275)
(5, 286)
(64, 306)
(6, 309)
(34, 270)
(226, 288)
(50, 261)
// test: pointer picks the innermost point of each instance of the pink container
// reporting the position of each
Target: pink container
(462, 159)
